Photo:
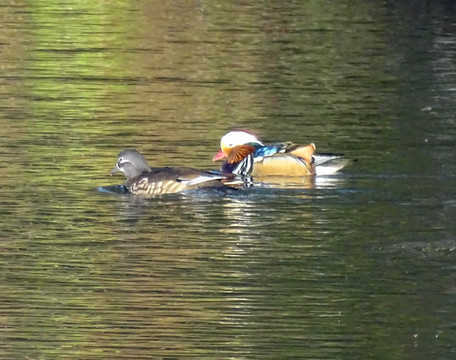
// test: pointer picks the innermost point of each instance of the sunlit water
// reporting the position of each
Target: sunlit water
(352, 266)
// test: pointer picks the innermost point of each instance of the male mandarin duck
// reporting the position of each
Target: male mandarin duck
(246, 155)
(148, 182)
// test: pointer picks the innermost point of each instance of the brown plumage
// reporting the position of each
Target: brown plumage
(167, 180)
(149, 182)
(239, 153)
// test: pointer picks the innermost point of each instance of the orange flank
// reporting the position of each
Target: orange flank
(280, 164)
(304, 152)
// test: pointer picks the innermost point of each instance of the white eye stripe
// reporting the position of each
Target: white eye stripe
(123, 161)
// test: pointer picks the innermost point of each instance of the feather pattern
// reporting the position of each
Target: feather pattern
(276, 159)
(239, 153)
(244, 167)
(269, 150)
(149, 182)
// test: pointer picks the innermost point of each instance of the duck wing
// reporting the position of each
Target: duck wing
(197, 178)
(281, 164)
(303, 151)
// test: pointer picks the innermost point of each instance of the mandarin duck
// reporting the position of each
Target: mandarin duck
(247, 155)
(148, 182)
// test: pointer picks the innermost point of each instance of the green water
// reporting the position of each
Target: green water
(360, 265)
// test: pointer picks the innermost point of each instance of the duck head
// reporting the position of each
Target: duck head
(131, 162)
(232, 139)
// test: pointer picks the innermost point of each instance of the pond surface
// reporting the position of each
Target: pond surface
(359, 265)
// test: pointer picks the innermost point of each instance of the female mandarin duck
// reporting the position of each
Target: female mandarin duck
(148, 182)
(245, 154)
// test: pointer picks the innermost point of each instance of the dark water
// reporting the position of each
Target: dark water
(360, 265)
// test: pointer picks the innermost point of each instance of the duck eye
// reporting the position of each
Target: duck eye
(121, 159)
